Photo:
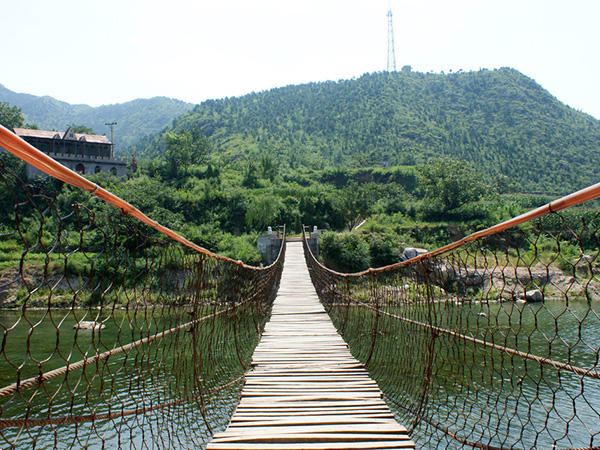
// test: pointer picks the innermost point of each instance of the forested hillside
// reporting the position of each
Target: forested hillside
(400, 159)
(501, 121)
(135, 119)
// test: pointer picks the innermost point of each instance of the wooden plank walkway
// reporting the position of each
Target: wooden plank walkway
(305, 390)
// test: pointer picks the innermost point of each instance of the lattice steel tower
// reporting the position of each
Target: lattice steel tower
(391, 56)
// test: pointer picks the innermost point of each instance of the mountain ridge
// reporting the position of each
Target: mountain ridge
(135, 119)
(499, 120)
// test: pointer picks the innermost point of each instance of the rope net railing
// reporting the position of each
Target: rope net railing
(491, 342)
(113, 334)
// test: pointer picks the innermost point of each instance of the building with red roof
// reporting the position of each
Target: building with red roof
(83, 153)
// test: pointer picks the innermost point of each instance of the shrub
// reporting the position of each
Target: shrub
(346, 252)
(383, 249)
(241, 248)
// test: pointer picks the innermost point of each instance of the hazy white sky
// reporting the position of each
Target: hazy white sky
(91, 52)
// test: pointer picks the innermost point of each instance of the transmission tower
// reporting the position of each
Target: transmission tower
(391, 56)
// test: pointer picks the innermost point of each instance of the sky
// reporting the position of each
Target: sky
(113, 51)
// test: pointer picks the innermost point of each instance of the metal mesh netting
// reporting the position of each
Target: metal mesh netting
(491, 345)
(113, 337)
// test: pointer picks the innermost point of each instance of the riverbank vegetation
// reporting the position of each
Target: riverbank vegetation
(389, 160)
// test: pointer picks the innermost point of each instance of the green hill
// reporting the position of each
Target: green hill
(135, 119)
(500, 120)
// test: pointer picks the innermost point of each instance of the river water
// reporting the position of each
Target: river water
(446, 385)
(149, 375)
(473, 391)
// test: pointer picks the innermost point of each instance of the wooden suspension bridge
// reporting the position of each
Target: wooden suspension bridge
(305, 390)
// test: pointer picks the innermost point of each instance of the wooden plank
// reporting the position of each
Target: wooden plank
(334, 353)
(315, 386)
(312, 446)
(291, 382)
(312, 400)
(268, 403)
(263, 372)
(283, 384)
(383, 429)
(309, 381)
(304, 371)
(335, 422)
(315, 438)
(307, 378)
(360, 408)
(324, 394)
(324, 419)
(310, 413)
(308, 366)
(322, 408)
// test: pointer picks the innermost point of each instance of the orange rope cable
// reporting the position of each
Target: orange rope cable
(31, 155)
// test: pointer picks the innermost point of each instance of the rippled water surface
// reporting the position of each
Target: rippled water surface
(444, 384)
(473, 391)
(150, 374)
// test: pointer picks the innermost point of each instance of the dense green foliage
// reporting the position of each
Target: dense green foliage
(184, 149)
(10, 116)
(500, 121)
(135, 119)
(354, 252)
(346, 252)
(81, 129)
(449, 184)
(402, 159)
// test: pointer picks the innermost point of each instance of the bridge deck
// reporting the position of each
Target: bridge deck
(306, 391)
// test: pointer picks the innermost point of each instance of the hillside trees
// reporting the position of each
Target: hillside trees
(81, 129)
(269, 167)
(354, 202)
(332, 154)
(10, 116)
(262, 211)
(448, 184)
(136, 118)
(184, 148)
(501, 121)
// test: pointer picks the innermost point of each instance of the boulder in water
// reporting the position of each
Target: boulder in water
(88, 325)
(533, 296)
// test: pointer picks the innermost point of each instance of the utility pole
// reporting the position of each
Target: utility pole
(391, 56)
(112, 143)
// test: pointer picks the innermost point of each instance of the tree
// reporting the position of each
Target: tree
(81, 129)
(354, 203)
(346, 252)
(449, 184)
(184, 148)
(10, 116)
(250, 176)
(268, 167)
(262, 211)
